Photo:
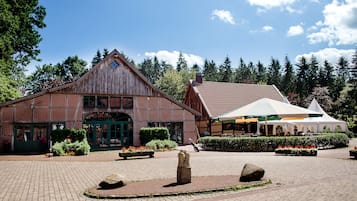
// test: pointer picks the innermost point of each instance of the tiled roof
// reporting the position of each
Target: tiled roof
(222, 97)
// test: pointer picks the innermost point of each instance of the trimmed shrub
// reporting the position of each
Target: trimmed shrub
(73, 134)
(70, 148)
(70, 142)
(156, 133)
(262, 143)
(161, 145)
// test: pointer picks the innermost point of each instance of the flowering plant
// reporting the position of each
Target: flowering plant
(298, 150)
(132, 149)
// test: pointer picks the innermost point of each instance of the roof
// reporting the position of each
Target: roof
(222, 97)
(315, 106)
(267, 107)
(114, 53)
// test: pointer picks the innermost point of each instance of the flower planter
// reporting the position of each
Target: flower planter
(125, 155)
(296, 151)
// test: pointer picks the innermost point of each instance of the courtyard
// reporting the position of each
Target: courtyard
(332, 175)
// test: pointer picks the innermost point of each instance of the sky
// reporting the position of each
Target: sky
(254, 30)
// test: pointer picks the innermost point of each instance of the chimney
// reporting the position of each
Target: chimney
(199, 78)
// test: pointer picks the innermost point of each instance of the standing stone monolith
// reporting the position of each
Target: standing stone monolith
(183, 168)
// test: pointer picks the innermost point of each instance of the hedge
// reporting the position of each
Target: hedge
(262, 143)
(156, 133)
(70, 148)
(73, 134)
(161, 145)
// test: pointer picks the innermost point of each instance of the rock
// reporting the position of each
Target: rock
(112, 181)
(251, 172)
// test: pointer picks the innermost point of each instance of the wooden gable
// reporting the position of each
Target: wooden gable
(113, 75)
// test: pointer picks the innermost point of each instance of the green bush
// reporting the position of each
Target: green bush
(67, 147)
(73, 134)
(156, 133)
(57, 149)
(262, 143)
(161, 145)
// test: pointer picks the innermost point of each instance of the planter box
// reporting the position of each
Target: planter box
(353, 153)
(296, 151)
(125, 155)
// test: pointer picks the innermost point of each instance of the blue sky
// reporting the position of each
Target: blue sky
(255, 30)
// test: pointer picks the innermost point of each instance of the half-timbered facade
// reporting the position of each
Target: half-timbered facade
(112, 102)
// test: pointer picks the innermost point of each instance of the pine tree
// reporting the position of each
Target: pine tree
(225, 71)
(312, 74)
(105, 53)
(97, 58)
(210, 70)
(146, 68)
(261, 74)
(288, 82)
(156, 71)
(301, 80)
(274, 75)
(181, 63)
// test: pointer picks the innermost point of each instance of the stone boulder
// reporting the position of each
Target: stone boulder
(112, 181)
(251, 172)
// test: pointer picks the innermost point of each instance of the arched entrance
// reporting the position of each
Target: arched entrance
(107, 130)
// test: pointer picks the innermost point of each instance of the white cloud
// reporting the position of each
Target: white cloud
(330, 54)
(267, 28)
(265, 5)
(339, 26)
(295, 30)
(172, 57)
(223, 15)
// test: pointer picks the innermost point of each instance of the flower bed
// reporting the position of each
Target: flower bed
(136, 151)
(297, 150)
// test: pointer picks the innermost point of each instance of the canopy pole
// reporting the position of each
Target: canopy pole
(266, 127)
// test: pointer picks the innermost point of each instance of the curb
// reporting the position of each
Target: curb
(90, 192)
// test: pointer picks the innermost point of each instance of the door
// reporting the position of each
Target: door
(30, 138)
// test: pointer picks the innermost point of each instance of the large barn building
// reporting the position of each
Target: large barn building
(112, 102)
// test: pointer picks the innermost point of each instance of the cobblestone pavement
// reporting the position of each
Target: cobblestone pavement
(330, 176)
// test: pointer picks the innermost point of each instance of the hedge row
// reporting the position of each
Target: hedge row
(73, 134)
(262, 143)
(156, 133)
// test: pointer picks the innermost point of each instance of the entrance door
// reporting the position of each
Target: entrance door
(109, 132)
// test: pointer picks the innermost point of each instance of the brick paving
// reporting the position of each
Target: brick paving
(332, 175)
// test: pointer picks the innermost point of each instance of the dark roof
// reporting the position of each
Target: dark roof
(221, 97)
(114, 53)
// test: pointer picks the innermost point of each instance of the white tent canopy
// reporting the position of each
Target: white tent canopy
(313, 124)
(267, 107)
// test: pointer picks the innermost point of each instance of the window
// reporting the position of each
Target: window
(175, 129)
(102, 101)
(88, 101)
(114, 64)
(115, 102)
(127, 102)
